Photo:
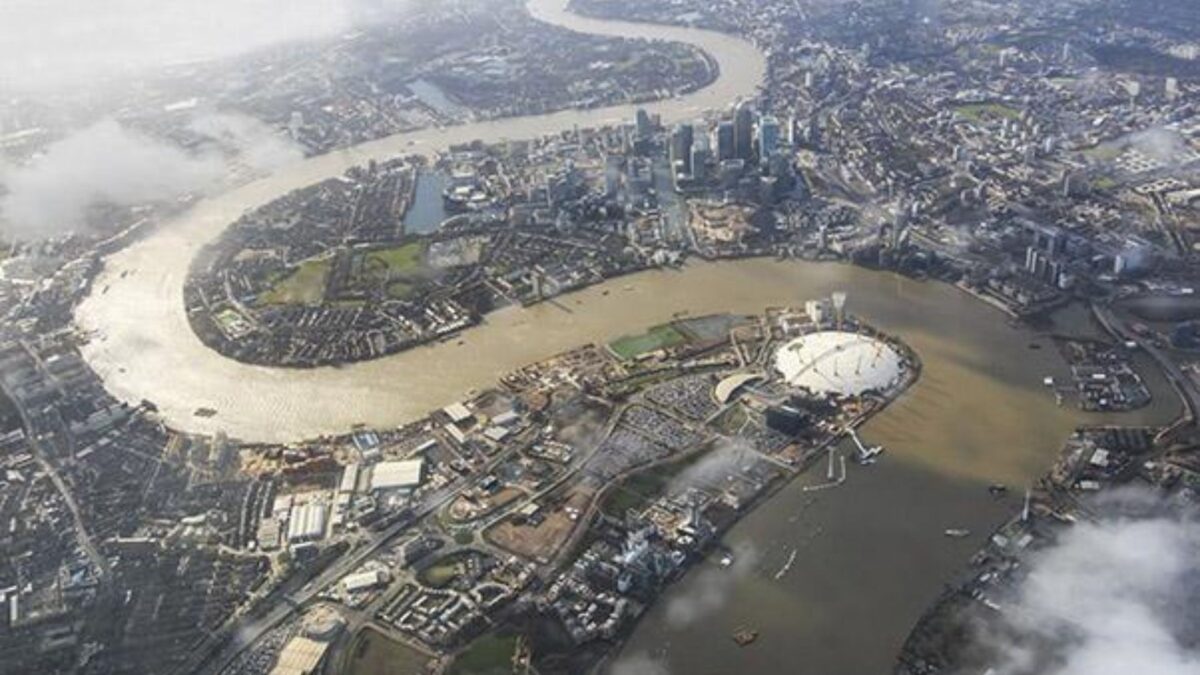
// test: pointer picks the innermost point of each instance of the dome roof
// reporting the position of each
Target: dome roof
(838, 362)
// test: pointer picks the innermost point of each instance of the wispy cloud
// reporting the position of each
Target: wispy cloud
(49, 43)
(256, 144)
(1113, 597)
(638, 664)
(108, 163)
(709, 590)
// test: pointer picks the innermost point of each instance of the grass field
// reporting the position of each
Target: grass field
(659, 337)
(643, 487)
(398, 262)
(441, 573)
(1104, 152)
(979, 112)
(399, 289)
(398, 270)
(303, 286)
(732, 420)
(372, 653)
(489, 655)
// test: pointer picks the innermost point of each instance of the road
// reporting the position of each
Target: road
(247, 633)
(47, 463)
(1183, 384)
(247, 630)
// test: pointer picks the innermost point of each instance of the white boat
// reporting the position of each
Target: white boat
(957, 533)
(787, 565)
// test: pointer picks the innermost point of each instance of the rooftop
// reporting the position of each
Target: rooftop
(838, 362)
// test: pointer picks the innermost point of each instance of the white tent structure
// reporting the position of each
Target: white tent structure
(839, 362)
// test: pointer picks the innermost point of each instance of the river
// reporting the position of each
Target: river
(144, 347)
(870, 554)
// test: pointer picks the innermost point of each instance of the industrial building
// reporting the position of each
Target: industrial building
(307, 523)
(400, 475)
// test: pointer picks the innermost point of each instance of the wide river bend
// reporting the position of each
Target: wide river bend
(870, 554)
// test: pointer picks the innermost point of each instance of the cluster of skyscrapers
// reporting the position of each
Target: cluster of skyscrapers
(731, 148)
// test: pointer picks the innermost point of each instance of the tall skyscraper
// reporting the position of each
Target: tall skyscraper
(681, 148)
(768, 137)
(725, 141)
(701, 156)
(614, 166)
(743, 131)
(644, 125)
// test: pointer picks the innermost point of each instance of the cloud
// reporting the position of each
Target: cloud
(710, 590)
(727, 459)
(50, 43)
(1112, 597)
(108, 163)
(638, 664)
(256, 144)
(104, 163)
(1163, 145)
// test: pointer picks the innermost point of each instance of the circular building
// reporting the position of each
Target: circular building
(839, 362)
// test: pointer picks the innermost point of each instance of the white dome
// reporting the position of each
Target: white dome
(837, 362)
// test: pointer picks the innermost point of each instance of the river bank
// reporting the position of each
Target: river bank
(870, 554)
(142, 344)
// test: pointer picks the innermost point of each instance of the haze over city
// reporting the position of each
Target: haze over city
(630, 337)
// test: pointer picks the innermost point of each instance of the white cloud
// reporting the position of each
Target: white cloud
(108, 163)
(258, 145)
(105, 162)
(47, 43)
(710, 590)
(638, 664)
(1110, 598)
(1163, 145)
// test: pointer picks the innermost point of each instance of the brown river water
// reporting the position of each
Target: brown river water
(869, 555)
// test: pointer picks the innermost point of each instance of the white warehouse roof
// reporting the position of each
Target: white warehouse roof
(457, 412)
(307, 522)
(363, 580)
(394, 475)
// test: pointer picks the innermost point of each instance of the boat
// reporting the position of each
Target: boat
(204, 412)
(787, 565)
(957, 533)
(744, 636)
(997, 489)
(726, 560)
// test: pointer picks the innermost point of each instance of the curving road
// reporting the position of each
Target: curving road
(144, 348)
